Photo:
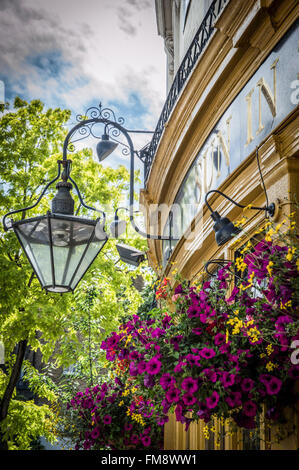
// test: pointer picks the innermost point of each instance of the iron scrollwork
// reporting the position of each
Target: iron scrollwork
(88, 129)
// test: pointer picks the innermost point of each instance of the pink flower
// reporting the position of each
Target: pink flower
(153, 366)
(213, 400)
(190, 385)
(173, 395)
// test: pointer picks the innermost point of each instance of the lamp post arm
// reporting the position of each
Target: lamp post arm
(125, 132)
(270, 209)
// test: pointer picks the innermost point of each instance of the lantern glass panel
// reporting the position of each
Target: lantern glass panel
(34, 237)
(59, 248)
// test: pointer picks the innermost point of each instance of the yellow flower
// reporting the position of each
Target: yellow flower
(240, 222)
(253, 334)
(240, 264)
(269, 267)
(246, 248)
(292, 225)
(290, 254)
(226, 336)
(270, 366)
(269, 349)
(268, 236)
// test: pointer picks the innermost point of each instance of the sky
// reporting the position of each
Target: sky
(74, 54)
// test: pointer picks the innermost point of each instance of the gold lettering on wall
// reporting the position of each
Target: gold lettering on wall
(225, 146)
(248, 98)
(265, 90)
(269, 96)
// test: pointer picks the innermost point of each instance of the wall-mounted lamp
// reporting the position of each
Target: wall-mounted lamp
(223, 227)
(130, 255)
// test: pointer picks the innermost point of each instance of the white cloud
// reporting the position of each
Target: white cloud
(73, 53)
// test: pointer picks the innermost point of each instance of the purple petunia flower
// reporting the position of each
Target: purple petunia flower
(178, 289)
(213, 400)
(141, 367)
(166, 381)
(134, 439)
(107, 419)
(193, 311)
(128, 427)
(95, 433)
(175, 341)
(249, 408)
(210, 374)
(161, 420)
(188, 399)
(219, 339)
(207, 353)
(173, 395)
(179, 366)
(247, 385)
(273, 386)
(190, 385)
(153, 366)
(133, 369)
(227, 379)
(146, 441)
(148, 381)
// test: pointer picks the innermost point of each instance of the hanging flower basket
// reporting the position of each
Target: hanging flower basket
(227, 349)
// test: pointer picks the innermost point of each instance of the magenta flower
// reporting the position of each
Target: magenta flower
(197, 331)
(173, 395)
(175, 341)
(146, 441)
(179, 366)
(190, 385)
(95, 433)
(141, 367)
(193, 311)
(247, 385)
(273, 386)
(227, 379)
(213, 400)
(134, 439)
(188, 399)
(249, 408)
(128, 427)
(210, 374)
(153, 366)
(207, 353)
(107, 419)
(166, 381)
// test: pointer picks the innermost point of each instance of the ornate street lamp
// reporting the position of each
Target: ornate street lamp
(59, 245)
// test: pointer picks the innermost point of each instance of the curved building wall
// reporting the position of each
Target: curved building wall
(241, 95)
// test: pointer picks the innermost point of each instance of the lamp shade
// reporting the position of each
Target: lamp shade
(224, 229)
(105, 147)
(60, 248)
(130, 255)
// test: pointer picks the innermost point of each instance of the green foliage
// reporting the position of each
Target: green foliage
(66, 329)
